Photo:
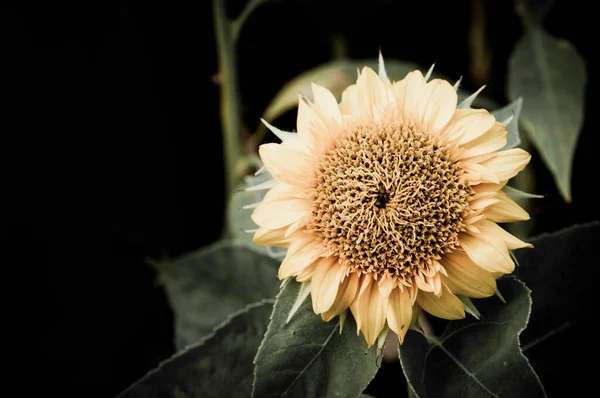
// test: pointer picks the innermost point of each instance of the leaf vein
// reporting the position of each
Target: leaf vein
(462, 367)
(311, 362)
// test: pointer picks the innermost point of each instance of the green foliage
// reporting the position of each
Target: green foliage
(237, 339)
(476, 358)
(207, 285)
(307, 357)
(550, 76)
(219, 365)
(562, 273)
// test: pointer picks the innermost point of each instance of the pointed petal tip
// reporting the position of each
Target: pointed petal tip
(302, 295)
(447, 306)
(467, 102)
(457, 84)
(381, 339)
(507, 121)
(429, 72)
(382, 72)
(282, 135)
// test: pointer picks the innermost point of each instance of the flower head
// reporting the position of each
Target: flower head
(388, 201)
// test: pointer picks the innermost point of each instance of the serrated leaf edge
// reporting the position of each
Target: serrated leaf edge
(438, 343)
(201, 342)
(160, 265)
(284, 283)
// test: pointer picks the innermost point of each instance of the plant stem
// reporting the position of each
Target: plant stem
(480, 52)
(230, 103)
(236, 26)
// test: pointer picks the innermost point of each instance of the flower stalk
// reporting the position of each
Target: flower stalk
(230, 102)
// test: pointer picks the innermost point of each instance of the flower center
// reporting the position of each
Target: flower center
(388, 200)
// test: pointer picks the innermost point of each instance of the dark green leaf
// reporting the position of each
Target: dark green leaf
(220, 365)
(310, 358)
(205, 286)
(476, 358)
(562, 271)
(550, 76)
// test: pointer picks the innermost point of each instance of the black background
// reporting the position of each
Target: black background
(111, 150)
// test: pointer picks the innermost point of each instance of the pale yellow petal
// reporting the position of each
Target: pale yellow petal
(349, 105)
(302, 252)
(416, 310)
(306, 273)
(399, 89)
(490, 228)
(370, 310)
(428, 283)
(271, 237)
(477, 174)
(312, 130)
(472, 228)
(484, 195)
(346, 294)
(492, 257)
(506, 164)
(412, 94)
(468, 124)
(281, 206)
(467, 278)
(440, 106)
(399, 313)
(326, 282)
(436, 281)
(319, 269)
(473, 217)
(284, 191)
(492, 140)
(488, 188)
(326, 105)
(482, 203)
(506, 210)
(288, 163)
(447, 306)
(386, 283)
(371, 92)
(298, 224)
(422, 283)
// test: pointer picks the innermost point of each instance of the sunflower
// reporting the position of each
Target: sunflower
(388, 201)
